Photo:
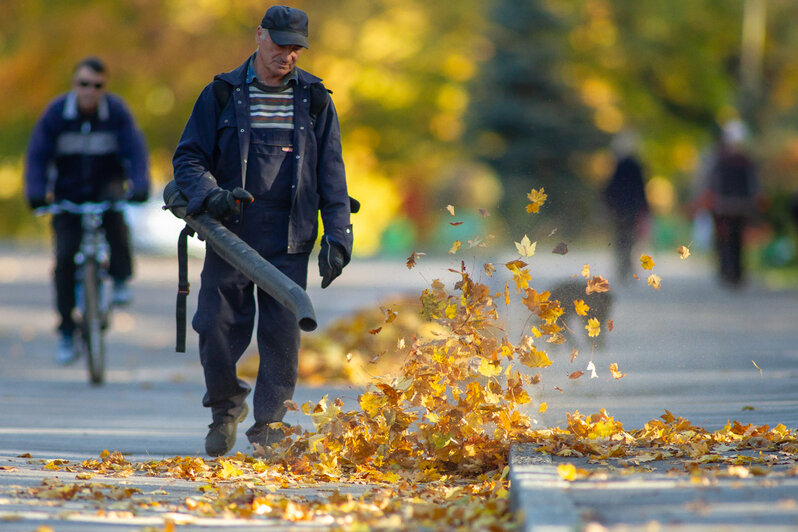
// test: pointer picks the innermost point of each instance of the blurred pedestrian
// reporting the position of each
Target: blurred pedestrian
(733, 197)
(625, 196)
(85, 148)
(269, 128)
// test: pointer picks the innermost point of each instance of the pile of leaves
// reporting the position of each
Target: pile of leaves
(428, 446)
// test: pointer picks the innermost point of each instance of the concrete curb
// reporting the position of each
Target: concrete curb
(538, 492)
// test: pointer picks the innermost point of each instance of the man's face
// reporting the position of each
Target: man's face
(89, 86)
(274, 61)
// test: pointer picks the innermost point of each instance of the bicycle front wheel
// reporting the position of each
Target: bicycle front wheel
(93, 341)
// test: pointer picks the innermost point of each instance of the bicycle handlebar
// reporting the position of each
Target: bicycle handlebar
(66, 206)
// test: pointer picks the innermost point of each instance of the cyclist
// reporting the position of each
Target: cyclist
(85, 148)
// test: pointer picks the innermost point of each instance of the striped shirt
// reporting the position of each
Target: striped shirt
(271, 107)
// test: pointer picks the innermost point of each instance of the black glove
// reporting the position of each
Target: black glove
(222, 203)
(332, 259)
(138, 195)
(39, 201)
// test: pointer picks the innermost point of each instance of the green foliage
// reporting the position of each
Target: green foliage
(527, 122)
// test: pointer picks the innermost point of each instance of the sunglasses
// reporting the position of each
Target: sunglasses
(84, 84)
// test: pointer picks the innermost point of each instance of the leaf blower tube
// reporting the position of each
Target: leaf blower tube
(245, 259)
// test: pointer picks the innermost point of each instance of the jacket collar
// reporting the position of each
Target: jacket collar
(71, 107)
(239, 75)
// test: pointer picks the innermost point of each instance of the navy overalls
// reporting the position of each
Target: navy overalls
(226, 304)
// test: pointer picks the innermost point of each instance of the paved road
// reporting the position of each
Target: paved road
(688, 347)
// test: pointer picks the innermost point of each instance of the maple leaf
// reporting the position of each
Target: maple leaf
(537, 199)
(413, 259)
(597, 284)
(654, 281)
(574, 354)
(576, 374)
(535, 358)
(390, 315)
(580, 307)
(525, 247)
(543, 407)
(592, 369)
(593, 327)
(567, 472)
(375, 331)
(610, 325)
(615, 372)
(484, 213)
(455, 246)
(290, 405)
(489, 368)
(683, 252)
(586, 271)
(450, 208)
(489, 269)
(646, 262)
(560, 249)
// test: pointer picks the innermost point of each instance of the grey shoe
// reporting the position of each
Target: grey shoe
(221, 437)
(66, 352)
(260, 433)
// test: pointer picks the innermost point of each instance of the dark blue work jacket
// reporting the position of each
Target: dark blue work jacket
(78, 157)
(214, 148)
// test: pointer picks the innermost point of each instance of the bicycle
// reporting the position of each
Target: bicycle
(91, 279)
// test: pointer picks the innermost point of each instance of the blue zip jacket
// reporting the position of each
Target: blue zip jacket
(76, 157)
(213, 151)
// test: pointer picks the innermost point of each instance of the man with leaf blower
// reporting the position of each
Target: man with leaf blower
(261, 152)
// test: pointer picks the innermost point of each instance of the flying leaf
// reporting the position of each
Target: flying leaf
(489, 269)
(390, 315)
(507, 293)
(576, 374)
(450, 208)
(683, 252)
(537, 199)
(484, 213)
(413, 259)
(376, 357)
(586, 271)
(610, 325)
(290, 405)
(560, 249)
(543, 407)
(525, 247)
(580, 307)
(489, 368)
(574, 354)
(559, 389)
(349, 357)
(455, 223)
(646, 262)
(593, 327)
(375, 331)
(597, 284)
(522, 278)
(757, 367)
(592, 369)
(654, 281)
(615, 372)
(535, 358)
(455, 247)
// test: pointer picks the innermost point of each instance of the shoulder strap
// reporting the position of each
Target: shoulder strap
(222, 90)
(319, 99)
(182, 288)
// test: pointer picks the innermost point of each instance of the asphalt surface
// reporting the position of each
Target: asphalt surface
(689, 348)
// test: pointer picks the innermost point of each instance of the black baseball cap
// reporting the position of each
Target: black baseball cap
(286, 25)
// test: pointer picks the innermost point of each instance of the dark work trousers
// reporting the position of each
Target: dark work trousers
(625, 227)
(67, 234)
(729, 245)
(225, 314)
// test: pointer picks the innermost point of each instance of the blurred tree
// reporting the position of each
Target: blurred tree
(526, 121)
